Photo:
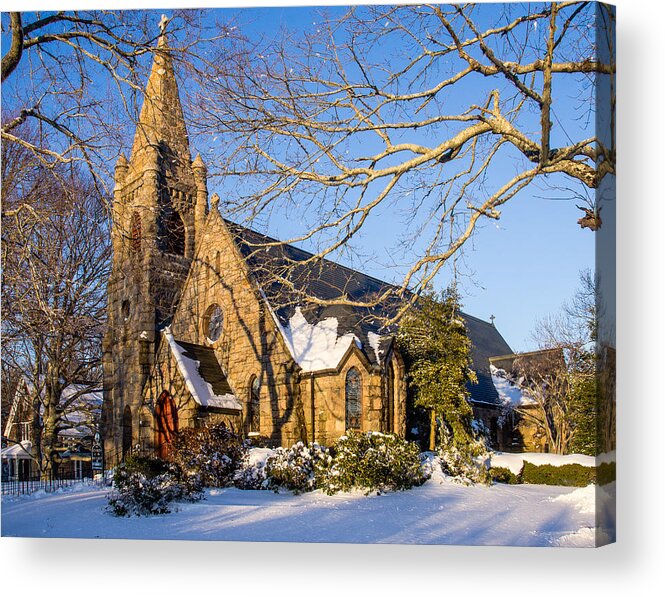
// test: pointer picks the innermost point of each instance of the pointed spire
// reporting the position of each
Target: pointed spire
(162, 120)
(198, 163)
(121, 169)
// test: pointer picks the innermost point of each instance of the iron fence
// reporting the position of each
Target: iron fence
(48, 483)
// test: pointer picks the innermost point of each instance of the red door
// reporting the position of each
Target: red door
(166, 418)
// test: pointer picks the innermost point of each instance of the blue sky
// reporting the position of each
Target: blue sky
(519, 268)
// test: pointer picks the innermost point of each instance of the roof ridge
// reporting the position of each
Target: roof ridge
(284, 243)
(345, 267)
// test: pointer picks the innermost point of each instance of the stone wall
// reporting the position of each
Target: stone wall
(251, 346)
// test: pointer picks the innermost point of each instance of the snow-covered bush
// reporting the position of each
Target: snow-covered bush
(372, 461)
(252, 472)
(296, 468)
(214, 452)
(469, 465)
(467, 461)
(145, 486)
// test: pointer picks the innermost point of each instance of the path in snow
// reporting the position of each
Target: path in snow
(436, 513)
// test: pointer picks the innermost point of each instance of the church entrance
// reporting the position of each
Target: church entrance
(166, 424)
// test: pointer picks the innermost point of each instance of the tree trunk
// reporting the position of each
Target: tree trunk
(432, 430)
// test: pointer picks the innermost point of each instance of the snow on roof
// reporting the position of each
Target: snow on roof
(198, 387)
(316, 346)
(82, 410)
(509, 393)
(22, 451)
(374, 341)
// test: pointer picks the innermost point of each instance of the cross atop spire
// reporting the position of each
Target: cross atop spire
(162, 24)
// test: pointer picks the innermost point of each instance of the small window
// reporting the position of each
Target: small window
(135, 235)
(352, 395)
(126, 431)
(254, 414)
(173, 234)
(26, 434)
(125, 308)
(213, 323)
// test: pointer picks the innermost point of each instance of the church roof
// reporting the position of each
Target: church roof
(203, 376)
(268, 259)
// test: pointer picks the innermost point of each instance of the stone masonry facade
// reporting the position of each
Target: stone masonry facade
(174, 258)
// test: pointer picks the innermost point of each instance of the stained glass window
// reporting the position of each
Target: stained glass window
(255, 405)
(213, 323)
(352, 393)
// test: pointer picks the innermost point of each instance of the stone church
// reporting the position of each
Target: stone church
(199, 331)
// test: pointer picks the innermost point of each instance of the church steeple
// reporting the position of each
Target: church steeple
(162, 122)
(159, 207)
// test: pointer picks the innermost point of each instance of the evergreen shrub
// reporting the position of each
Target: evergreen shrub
(296, 468)
(146, 486)
(214, 452)
(567, 475)
(252, 472)
(373, 462)
(606, 472)
(500, 474)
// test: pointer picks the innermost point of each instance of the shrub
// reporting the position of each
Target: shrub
(259, 441)
(568, 475)
(469, 463)
(296, 468)
(146, 486)
(500, 474)
(252, 472)
(606, 473)
(371, 461)
(214, 453)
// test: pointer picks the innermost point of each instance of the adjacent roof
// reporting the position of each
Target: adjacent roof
(82, 406)
(486, 342)
(21, 451)
(203, 375)
(324, 279)
(269, 259)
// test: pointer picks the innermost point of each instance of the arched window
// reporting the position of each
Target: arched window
(166, 424)
(135, 233)
(126, 431)
(213, 322)
(173, 233)
(254, 410)
(390, 398)
(352, 396)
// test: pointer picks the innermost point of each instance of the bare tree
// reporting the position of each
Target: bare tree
(561, 377)
(55, 255)
(437, 113)
(544, 377)
(78, 78)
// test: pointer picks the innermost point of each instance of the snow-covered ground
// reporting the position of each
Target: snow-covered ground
(514, 461)
(439, 512)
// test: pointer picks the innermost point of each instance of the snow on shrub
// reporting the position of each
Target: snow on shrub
(146, 486)
(470, 465)
(373, 462)
(252, 472)
(296, 468)
(213, 452)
